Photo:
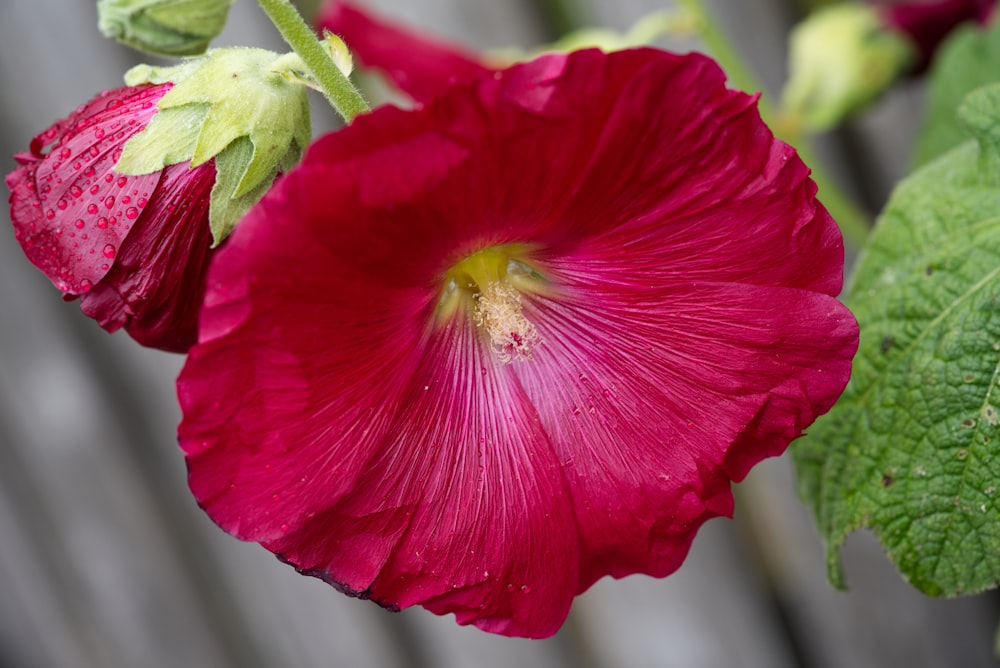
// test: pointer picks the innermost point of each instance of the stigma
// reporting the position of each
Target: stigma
(499, 313)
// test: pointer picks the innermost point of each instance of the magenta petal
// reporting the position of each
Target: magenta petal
(67, 203)
(421, 66)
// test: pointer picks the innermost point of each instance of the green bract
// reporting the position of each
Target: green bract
(841, 58)
(163, 27)
(243, 107)
(912, 450)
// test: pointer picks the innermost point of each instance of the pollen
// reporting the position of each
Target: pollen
(499, 313)
(486, 286)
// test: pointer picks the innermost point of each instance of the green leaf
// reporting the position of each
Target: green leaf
(912, 449)
(970, 58)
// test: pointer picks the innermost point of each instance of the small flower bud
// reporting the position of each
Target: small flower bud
(840, 58)
(163, 27)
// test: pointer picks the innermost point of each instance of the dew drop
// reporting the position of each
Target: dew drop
(89, 171)
(285, 527)
(77, 165)
(65, 153)
(50, 214)
(85, 237)
(526, 589)
(109, 201)
(95, 189)
(62, 204)
(109, 177)
(126, 199)
(276, 497)
(141, 202)
(122, 181)
(131, 213)
(99, 133)
(92, 208)
(102, 223)
(510, 587)
(75, 191)
(109, 251)
(105, 266)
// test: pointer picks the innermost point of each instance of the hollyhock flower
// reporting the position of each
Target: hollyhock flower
(133, 249)
(477, 355)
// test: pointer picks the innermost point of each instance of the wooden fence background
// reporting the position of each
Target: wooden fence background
(106, 562)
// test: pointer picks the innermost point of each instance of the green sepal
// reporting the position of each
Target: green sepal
(912, 449)
(163, 27)
(216, 101)
(228, 205)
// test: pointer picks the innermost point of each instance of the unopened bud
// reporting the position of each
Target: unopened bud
(163, 27)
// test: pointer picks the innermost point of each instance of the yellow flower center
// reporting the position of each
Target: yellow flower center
(489, 283)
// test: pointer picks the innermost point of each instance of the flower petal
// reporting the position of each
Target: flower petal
(155, 286)
(420, 476)
(419, 65)
(657, 398)
(70, 209)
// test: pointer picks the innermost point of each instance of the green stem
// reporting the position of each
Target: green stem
(336, 87)
(854, 223)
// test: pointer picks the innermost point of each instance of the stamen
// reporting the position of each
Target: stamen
(499, 312)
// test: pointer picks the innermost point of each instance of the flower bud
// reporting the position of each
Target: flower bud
(163, 27)
(840, 58)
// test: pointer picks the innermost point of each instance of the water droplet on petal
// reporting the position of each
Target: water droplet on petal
(102, 223)
(109, 201)
(285, 527)
(526, 589)
(109, 251)
(99, 133)
(122, 181)
(79, 224)
(92, 208)
(75, 191)
(131, 213)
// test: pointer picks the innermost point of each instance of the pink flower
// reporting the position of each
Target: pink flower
(928, 22)
(134, 249)
(477, 355)
(419, 65)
